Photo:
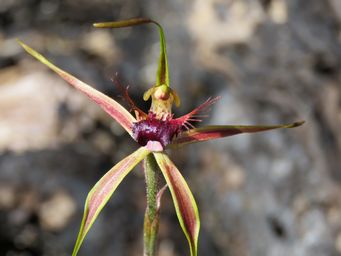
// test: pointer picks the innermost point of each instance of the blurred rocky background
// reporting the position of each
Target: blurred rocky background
(272, 61)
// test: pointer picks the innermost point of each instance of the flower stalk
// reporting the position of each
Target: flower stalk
(151, 218)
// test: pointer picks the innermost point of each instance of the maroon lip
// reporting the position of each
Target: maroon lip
(153, 129)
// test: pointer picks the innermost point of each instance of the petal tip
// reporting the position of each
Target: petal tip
(21, 43)
(296, 124)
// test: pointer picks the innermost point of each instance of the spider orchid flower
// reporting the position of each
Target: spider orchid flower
(155, 132)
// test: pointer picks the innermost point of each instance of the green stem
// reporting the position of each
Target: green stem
(151, 218)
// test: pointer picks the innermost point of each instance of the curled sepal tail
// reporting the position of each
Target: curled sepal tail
(162, 76)
(102, 191)
(161, 93)
(113, 108)
(185, 205)
(220, 131)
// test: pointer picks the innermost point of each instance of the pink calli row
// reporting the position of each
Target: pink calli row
(155, 132)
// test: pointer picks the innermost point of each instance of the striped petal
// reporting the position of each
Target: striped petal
(185, 205)
(102, 191)
(113, 108)
(220, 131)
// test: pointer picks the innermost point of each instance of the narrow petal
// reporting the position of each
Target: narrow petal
(119, 113)
(185, 205)
(220, 131)
(102, 191)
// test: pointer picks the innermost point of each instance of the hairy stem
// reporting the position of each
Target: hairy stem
(151, 218)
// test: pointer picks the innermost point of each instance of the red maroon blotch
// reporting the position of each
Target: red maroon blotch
(163, 131)
(153, 129)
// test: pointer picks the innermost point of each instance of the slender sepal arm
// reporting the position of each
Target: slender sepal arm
(113, 108)
(220, 131)
(102, 191)
(185, 205)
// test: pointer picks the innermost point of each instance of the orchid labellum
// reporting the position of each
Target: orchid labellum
(154, 132)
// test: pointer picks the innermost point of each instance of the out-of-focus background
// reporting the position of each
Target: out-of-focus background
(272, 61)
